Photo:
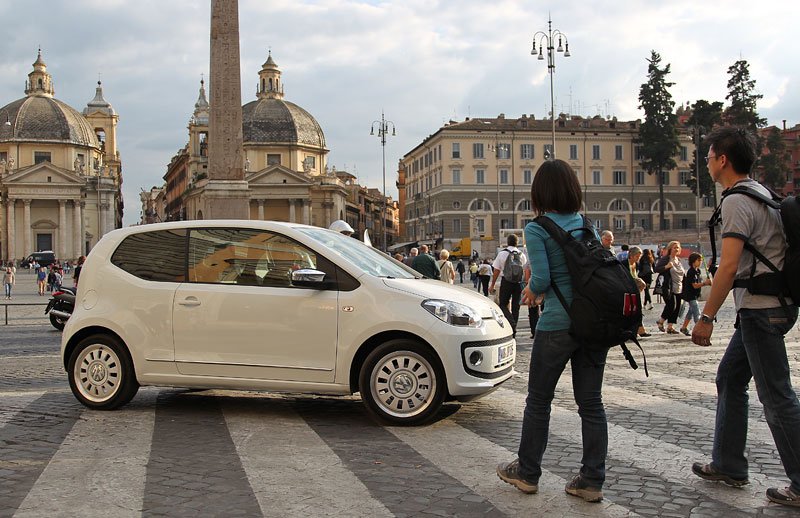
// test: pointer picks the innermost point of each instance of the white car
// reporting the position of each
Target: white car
(262, 305)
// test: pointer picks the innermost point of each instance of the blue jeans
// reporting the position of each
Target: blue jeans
(757, 350)
(693, 313)
(7, 287)
(550, 354)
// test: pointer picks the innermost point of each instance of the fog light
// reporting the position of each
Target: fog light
(476, 358)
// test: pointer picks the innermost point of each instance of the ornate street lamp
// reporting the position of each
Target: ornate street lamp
(698, 137)
(546, 41)
(383, 128)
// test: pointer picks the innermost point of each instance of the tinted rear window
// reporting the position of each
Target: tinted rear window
(153, 256)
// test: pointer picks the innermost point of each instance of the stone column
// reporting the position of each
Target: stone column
(261, 210)
(291, 210)
(111, 220)
(101, 219)
(328, 212)
(12, 249)
(306, 213)
(82, 206)
(77, 240)
(61, 249)
(3, 231)
(26, 227)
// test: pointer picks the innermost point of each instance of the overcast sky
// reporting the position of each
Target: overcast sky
(421, 61)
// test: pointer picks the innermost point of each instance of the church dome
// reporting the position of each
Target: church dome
(272, 120)
(42, 118)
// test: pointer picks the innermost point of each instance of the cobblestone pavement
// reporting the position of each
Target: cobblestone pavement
(224, 453)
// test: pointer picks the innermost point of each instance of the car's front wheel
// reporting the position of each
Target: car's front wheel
(101, 373)
(402, 382)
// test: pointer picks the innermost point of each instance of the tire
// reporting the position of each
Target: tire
(402, 383)
(58, 323)
(101, 373)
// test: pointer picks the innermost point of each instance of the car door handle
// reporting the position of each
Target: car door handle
(189, 301)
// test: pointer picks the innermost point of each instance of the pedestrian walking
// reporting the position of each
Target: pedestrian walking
(509, 267)
(409, 261)
(634, 254)
(9, 279)
(692, 285)
(473, 273)
(484, 276)
(77, 272)
(41, 279)
(670, 264)
(646, 274)
(425, 264)
(460, 269)
(757, 348)
(446, 271)
(556, 193)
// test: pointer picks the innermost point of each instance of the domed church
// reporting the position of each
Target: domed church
(60, 172)
(285, 160)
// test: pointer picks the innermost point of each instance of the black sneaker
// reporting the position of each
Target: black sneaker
(509, 472)
(707, 472)
(784, 496)
(580, 488)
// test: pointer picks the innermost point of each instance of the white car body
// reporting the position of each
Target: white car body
(246, 337)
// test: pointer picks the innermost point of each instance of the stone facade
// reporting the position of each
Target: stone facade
(60, 172)
(472, 178)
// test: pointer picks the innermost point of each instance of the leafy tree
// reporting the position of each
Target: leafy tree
(658, 133)
(775, 164)
(741, 94)
(744, 99)
(705, 116)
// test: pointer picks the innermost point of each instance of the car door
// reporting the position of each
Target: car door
(239, 316)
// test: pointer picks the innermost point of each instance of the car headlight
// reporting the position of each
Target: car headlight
(453, 313)
(498, 317)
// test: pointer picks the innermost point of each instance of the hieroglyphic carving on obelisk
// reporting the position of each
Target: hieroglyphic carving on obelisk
(226, 193)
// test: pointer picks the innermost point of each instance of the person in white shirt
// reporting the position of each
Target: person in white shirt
(510, 289)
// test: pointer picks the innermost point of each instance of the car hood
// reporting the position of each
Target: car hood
(432, 289)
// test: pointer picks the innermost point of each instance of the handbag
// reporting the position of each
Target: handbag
(663, 285)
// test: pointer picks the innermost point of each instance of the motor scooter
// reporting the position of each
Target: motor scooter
(60, 307)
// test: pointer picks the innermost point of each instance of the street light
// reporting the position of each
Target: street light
(545, 40)
(698, 136)
(383, 128)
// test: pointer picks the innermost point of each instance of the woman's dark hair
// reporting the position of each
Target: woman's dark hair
(555, 188)
(648, 254)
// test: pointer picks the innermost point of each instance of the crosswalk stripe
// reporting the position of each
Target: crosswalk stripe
(291, 469)
(13, 402)
(658, 457)
(471, 459)
(101, 476)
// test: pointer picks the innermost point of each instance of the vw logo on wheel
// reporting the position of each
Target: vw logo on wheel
(403, 383)
(97, 372)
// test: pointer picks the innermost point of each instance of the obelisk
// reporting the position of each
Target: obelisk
(226, 194)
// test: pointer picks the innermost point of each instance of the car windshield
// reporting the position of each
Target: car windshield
(367, 259)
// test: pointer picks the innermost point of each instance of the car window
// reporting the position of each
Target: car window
(246, 257)
(366, 258)
(154, 256)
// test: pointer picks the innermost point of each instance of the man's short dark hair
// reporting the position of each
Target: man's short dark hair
(555, 188)
(738, 144)
(512, 240)
(694, 256)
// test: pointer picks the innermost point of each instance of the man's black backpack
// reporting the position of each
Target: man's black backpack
(606, 310)
(513, 270)
(779, 283)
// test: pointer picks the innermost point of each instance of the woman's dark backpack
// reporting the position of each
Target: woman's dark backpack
(606, 310)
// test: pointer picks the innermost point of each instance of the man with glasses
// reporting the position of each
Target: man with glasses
(757, 348)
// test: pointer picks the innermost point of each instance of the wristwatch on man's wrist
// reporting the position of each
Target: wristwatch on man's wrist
(707, 319)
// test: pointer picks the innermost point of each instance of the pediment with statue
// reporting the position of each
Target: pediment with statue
(44, 173)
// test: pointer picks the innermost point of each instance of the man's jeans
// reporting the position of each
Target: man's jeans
(550, 354)
(757, 350)
(510, 292)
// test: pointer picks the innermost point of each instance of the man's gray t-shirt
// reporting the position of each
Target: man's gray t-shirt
(752, 221)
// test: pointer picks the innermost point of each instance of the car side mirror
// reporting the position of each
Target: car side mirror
(310, 278)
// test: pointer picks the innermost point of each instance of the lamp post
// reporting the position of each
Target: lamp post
(697, 137)
(545, 40)
(383, 128)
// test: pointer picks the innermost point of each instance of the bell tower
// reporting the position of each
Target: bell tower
(269, 80)
(39, 82)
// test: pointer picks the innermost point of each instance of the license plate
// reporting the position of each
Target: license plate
(505, 352)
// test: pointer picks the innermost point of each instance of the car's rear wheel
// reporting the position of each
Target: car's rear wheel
(402, 382)
(101, 373)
